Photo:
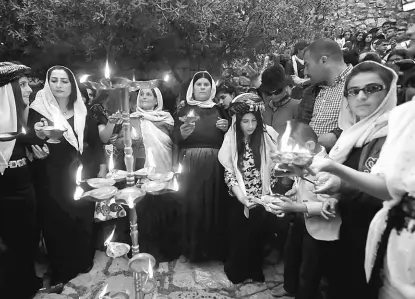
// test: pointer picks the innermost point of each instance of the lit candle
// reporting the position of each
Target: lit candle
(79, 191)
(179, 169)
(130, 202)
(150, 159)
(150, 270)
(23, 130)
(134, 134)
(107, 72)
(108, 240)
(285, 138)
(83, 78)
(111, 162)
(175, 184)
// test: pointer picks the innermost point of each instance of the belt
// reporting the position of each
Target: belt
(17, 163)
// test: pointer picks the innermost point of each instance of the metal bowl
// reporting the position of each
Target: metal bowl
(54, 134)
(8, 136)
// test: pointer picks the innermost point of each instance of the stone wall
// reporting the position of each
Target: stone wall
(366, 14)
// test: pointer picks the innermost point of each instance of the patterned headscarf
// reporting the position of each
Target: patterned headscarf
(10, 71)
(245, 103)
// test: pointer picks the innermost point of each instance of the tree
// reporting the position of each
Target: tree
(137, 32)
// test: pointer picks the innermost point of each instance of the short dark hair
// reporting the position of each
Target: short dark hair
(301, 45)
(380, 41)
(73, 95)
(226, 87)
(371, 56)
(370, 67)
(325, 47)
(387, 23)
(400, 52)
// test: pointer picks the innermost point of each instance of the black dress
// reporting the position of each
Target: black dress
(67, 225)
(202, 192)
(357, 211)
(17, 229)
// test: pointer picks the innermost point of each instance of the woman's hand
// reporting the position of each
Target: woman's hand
(102, 171)
(40, 152)
(38, 128)
(327, 183)
(246, 200)
(292, 193)
(320, 164)
(115, 118)
(329, 208)
(222, 124)
(186, 129)
(287, 205)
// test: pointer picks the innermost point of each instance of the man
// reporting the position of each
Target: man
(402, 42)
(279, 106)
(386, 26)
(390, 33)
(320, 107)
(381, 48)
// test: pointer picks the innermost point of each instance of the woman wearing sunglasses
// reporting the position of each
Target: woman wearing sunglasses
(370, 94)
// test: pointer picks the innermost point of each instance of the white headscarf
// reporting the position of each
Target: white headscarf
(206, 104)
(358, 133)
(228, 154)
(46, 104)
(8, 123)
(157, 114)
(397, 164)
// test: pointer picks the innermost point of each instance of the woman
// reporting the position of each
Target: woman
(17, 197)
(202, 188)
(390, 243)
(246, 156)
(295, 68)
(368, 43)
(370, 92)
(67, 223)
(152, 132)
(357, 44)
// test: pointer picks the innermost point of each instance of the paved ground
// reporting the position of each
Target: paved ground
(175, 279)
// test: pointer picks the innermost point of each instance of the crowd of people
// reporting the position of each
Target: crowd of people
(347, 218)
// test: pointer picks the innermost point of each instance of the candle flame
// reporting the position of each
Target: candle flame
(175, 184)
(78, 191)
(150, 159)
(130, 202)
(104, 291)
(285, 138)
(166, 77)
(109, 237)
(179, 169)
(150, 270)
(133, 77)
(83, 78)
(79, 174)
(111, 162)
(191, 113)
(107, 70)
(23, 130)
(57, 124)
(134, 134)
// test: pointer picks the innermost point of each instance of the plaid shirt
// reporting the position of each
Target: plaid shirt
(320, 107)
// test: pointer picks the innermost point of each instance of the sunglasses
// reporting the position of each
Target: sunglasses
(275, 92)
(368, 89)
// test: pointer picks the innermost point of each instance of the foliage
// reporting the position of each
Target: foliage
(136, 32)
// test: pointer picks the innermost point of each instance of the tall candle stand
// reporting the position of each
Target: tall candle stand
(131, 195)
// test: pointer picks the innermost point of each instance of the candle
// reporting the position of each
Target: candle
(179, 169)
(130, 202)
(23, 130)
(150, 159)
(150, 270)
(111, 162)
(285, 138)
(107, 72)
(175, 184)
(108, 240)
(134, 134)
(79, 191)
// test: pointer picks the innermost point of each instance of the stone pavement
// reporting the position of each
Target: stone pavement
(175, 279)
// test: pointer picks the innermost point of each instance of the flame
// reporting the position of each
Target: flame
(285, 147)
(133, 77)
(79, 174)
(166, 77)
(107, 70)
(175, 184)
(179, 170)
(78, 191)
(57, 124)
(150, 159)
(134, 134)
(150, 270)
(191, 113)
(83, 78)
(130, 202)
(104, 291)
(109, 237)
(23, 130)
(111, 162)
